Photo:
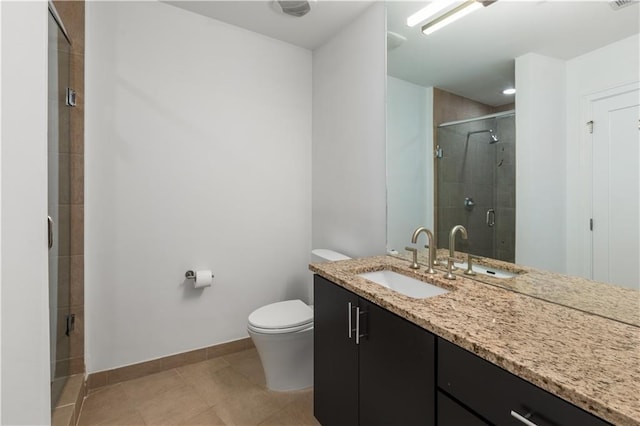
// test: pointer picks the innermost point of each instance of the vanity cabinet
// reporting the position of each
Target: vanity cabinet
(498, 396)
(371, 367)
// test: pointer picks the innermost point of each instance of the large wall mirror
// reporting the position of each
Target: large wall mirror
(547, 177)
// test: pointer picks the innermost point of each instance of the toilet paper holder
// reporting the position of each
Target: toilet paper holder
(191, 275)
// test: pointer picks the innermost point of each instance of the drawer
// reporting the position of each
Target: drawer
(450, 413)
(495, 394)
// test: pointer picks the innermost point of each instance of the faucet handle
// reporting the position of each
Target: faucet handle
(414, 265)
(470, 258)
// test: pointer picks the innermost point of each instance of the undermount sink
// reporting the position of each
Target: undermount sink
(484, 270)
(403, 284)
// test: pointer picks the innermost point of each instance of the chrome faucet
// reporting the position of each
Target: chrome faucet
(452, 242)
(431, 246)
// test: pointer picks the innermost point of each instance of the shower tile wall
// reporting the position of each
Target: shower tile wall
(499, 241)
(505, 190)
(449, 196)
(473, 168)
(465, 170)
(70, 351)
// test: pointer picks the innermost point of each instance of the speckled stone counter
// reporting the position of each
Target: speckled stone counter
(607, 300)
(590, 361)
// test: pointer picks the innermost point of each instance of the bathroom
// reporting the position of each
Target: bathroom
(193, 159)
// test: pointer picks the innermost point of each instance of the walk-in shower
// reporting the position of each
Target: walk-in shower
(59, 212)
(475, 184)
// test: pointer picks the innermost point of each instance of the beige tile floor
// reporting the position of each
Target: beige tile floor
(229, 390)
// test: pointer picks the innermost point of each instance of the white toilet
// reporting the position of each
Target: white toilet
(283, 335)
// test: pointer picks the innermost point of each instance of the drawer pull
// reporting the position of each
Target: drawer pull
(357, 325)
(523, 419)
(349, 309)
(358, 333)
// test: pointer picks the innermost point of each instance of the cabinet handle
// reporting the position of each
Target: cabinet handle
(523, 419)
(357, 325)
(358, 334)
(349, 308)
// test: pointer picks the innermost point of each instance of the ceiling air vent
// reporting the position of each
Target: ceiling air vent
(295, 7)
(619, 4)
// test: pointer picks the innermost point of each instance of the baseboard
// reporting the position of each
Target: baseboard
(67, 410)
(134, 371)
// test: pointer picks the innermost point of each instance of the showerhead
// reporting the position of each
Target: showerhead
(493, 137)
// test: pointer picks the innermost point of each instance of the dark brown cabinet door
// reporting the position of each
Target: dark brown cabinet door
(397, 370)
(371, 367)
(335, 393)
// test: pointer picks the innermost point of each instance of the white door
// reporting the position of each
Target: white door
(616, 189)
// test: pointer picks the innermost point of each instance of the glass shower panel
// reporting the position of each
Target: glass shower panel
(475, 184)
(59, 182)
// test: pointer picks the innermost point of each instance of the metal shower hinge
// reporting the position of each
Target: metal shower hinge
(438, 152)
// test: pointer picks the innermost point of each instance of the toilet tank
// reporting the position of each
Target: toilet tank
(325, 255)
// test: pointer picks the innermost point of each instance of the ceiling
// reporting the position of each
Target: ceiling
(324, 20)
(474, 57)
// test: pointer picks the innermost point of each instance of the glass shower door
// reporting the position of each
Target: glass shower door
(475, 184)
(59, 182)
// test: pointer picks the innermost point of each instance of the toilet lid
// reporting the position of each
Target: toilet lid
(290, 313)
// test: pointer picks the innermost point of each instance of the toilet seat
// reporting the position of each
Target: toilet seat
(289, 316)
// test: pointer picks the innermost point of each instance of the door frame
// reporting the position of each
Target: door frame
(586, 162)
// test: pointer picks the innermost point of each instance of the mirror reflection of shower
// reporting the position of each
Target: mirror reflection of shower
(493, 138)
(478, 165)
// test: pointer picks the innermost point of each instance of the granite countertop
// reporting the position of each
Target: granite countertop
(590, 361)
(607, 300)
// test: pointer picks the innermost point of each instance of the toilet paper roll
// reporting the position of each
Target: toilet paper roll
(203, 279)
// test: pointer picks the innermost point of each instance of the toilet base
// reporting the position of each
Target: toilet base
(287, 359)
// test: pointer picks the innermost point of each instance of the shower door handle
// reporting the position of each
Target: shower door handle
(491, 218)
(50, 232)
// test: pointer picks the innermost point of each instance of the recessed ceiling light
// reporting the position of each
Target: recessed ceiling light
(510, 91)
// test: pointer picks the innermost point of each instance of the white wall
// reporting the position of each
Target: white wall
(0, 220)
(409, 160)
(198, 155)
(611, 66)
(23, 165)
(349, 73)
(540, 162)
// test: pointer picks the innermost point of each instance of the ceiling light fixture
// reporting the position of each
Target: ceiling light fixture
(509, 91)
(428, 11)
(453, 15)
